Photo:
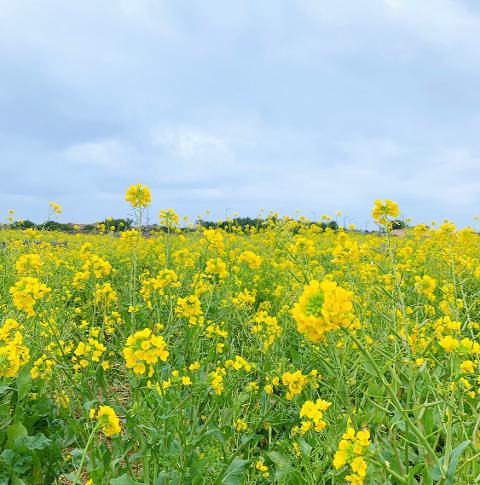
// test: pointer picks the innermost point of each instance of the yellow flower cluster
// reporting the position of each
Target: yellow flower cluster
(252, 260)
(322, 307)
(314, 412)
(216, 380)
(93, 265)
(262, 468)
(55, 207)
(425, 286)
(267, 327)
(43, 367)
(240, 425)
(184, 258)
(295, 382)
(144, 348)
(28, 263)
(167, 278)
(107, 420)
(105, 294)
(215, 239)
(351, 451)
(138, 196)
(238, 363)
(302, 246)
(217, 376)
(191, 309)
(385, 209)
(91, 351)
(26, 292)
(464, 346)
(168, 218)
(13, 354)
(97, 265)
(244, 298)
(216, 268)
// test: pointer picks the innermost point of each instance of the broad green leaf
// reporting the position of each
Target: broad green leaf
(125, 480)
(17, 481)
(24, 382)
(282, 464)
(235, 472)
(454, 457)
(14, 431)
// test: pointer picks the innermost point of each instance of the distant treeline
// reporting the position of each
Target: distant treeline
(110, 225)
(248, 222)
(120, 225)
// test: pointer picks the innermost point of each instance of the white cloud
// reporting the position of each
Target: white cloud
(321, 105)
(189, 143)
(445, 23)
(110, 154)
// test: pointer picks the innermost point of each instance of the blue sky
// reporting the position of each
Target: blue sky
(311, 104)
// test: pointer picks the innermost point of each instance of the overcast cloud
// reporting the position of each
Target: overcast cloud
(311, 104)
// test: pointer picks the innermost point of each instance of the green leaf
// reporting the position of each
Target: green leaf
(37, 442)
(414, 471)
(235, 472)
(125, 480)
(24, 382)
(169, 478)
(454, 457)
(4, 389)
(282, 464)
(17, 481)
(15, 431)
(304, 446)
(5, 409)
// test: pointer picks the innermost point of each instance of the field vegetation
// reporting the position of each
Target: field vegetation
(278, 352)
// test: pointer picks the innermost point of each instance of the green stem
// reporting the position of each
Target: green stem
(395, 401)
(84, 454)
(394, 474)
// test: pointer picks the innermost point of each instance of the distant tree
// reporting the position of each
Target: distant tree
(120, 225)
(26, 224)
(55, 226)
(331, 225)
(398, 224)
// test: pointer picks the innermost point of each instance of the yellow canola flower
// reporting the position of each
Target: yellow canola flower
(240, 425)
(384, 209)
(314, 412)
(28, 263)
(191, 309)
(13, 354)
(467, 366)
(295, 382)
(425, 286)
(138, 196)
(168, 218)
(322, 307)
(26, 292)
(144, 348)
(351, 449)
(107, 419)
(448, 343)
(55, 207)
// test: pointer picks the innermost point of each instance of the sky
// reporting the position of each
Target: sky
(238, 106)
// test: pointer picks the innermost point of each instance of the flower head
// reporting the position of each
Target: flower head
(138, 195)
(108, 420)
(385, 209)
(324, 306)
(351, 449)
(26, 292)
(144, 347)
